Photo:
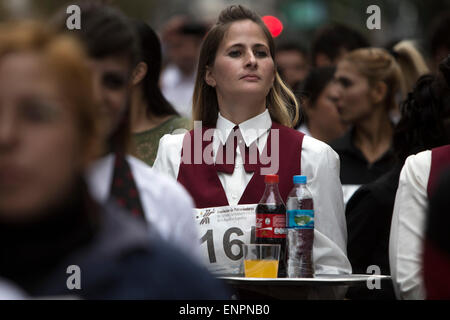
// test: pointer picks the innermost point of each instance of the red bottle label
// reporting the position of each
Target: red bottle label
(270, 225)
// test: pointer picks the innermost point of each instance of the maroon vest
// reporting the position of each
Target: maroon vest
(202, 180)
(440, 160)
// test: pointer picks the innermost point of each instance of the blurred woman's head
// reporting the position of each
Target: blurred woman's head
(48, 125)
(319, 105)
(236, 60)
(112, 49)
(147, 72)
(370, 81)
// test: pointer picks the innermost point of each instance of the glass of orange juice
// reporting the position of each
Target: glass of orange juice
(261, 260)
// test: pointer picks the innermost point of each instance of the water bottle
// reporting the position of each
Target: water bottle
(300, 230)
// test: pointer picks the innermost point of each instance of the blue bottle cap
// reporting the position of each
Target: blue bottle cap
(300, 179)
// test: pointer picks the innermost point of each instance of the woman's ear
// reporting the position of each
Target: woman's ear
(378, 92)
(209, 78)
(139, 73)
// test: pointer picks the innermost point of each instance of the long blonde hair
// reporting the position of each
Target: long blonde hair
(411, 62)
(281, 102)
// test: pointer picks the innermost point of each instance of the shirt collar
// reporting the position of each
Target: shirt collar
(251, 129)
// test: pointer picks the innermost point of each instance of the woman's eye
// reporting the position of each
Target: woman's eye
(345, 82)
(234, 53)
(261, 54)
(114, 81)
(38, 112)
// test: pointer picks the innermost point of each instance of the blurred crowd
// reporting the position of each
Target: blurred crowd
(83, 114)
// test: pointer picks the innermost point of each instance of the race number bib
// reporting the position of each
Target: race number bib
(223, 231)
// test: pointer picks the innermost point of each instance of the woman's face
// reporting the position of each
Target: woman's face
(354, 102)
(111, 89)
(40, 147)
(324, 113)
(243, 66)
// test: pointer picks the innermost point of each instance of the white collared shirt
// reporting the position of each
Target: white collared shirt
(166, 204)
(408, 227)
(318, 162)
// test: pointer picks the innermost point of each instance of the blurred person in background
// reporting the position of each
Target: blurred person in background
(152, 116)
(439, 40)
(113, 50)
(369, 81)
(240, 94)
(321, 119)
(369, 211)
(292, 63)
(331, 42)
(181, 39)
(417, 183)
(49, 133)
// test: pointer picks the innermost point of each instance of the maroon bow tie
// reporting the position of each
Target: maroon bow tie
(225, 161)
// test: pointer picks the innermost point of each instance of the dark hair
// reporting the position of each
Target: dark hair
(439, 34)
(331, 39)
(190, 28)
(425, 116)
(315, 83)
(150, 53)
(105, 32)
(291, 46)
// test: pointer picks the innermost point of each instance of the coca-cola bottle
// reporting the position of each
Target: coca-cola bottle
(271, 220)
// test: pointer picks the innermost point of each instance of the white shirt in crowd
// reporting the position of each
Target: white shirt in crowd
(9, 291)
(178, 89)
(408, 227)
(318, 162)
(166, 204)
(304, 129)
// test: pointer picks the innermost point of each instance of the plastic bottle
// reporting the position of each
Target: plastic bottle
(300, 230)
(271, 220)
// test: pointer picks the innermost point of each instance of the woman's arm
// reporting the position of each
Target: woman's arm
(408, 227)
(321, 166)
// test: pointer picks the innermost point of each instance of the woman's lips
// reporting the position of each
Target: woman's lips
(250, 77)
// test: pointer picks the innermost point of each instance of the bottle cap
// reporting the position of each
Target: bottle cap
(300, 179)
(271, 178)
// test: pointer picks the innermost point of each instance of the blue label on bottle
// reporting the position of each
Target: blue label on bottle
(300, 219)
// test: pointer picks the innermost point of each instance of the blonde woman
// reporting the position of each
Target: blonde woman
(370, 82)
(238, 87)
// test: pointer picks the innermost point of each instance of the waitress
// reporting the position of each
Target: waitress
(240, 99)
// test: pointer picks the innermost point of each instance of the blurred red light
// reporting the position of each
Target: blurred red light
(274, 25)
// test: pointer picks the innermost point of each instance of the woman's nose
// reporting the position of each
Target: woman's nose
(251, 60)
(8, 131)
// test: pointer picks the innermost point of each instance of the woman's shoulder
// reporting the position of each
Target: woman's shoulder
(180, 122)
(421, 160)
(316, 146)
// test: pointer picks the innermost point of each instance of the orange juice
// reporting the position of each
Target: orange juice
(261, 268)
